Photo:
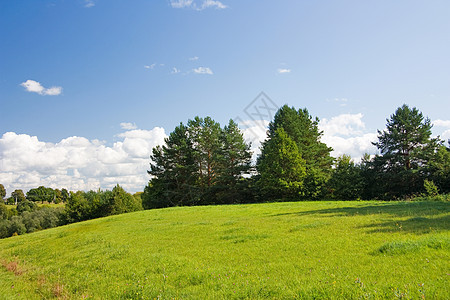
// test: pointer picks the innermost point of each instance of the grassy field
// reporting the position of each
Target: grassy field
(305, 250)
(41, 205)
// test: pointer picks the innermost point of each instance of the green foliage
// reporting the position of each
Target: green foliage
(439, 168)
(301, 128)
(199, 164)
(18, 196)
(233, 159)
(64, 195)
(2, 192)
(122, 202)
(346, 182)
(16, 227)
(83, 206)
(26, 205)
(281, 167)
(174, 172)
(407, 150)
(3, 211)
(430, 188)
(42, 194)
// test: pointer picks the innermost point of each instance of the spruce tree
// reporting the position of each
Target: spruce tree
(303, 129)
(174, 172)
(281, 168)
(234, 161)
(406, 150)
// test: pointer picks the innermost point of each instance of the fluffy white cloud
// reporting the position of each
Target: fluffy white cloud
(445, 135)
(193, 58)
(345, 124)
(196, 5)
(345, 134)
(35, 87)
(203, 70)
(442, 123)
(283, 71)
(128, 126)
(175, 71)
(77, 163)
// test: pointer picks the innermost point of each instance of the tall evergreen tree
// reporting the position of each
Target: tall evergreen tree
(234, 160)
(199, 164)
(303, 129)
(205, 136)
(174, 172)
(406, 149)
(281, 168)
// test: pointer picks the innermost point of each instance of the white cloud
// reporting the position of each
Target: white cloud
(128, 126)
(442, 123)
(283, 71)
(89, 3)
(445, 135)
(345, 124)
(151, 67)
(35, 87)
(346, 135)
(181, 3)
(196, 5)
(203, 70)
(193, 58)
(77, 163)
(214, 4)
(356, 146)
(175, 71)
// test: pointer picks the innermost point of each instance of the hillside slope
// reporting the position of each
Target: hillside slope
(280, 250)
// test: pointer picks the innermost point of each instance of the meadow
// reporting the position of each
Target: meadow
(295, 250)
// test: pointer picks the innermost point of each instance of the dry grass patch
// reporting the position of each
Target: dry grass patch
(13, 267)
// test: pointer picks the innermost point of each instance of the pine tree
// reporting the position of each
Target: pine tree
(174, 172)
(281, 168)
(300, 126)
(234, 162)
(406, 149)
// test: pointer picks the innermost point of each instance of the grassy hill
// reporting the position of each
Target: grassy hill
(333, 250)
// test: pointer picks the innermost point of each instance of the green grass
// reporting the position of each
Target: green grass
(304, 250)
(41, 205)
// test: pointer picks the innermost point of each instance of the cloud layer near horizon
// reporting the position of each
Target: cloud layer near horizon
(77, 163)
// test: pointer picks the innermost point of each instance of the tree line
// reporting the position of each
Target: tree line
(26, 216)
(202, 163)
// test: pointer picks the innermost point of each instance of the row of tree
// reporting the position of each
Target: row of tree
(41, 194)
(202, 163)
(27, 216)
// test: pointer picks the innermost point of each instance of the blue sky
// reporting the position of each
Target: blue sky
(103, 79)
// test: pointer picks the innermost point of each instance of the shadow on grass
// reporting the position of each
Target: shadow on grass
(399, 209)
(422, 217)
(418, 225)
